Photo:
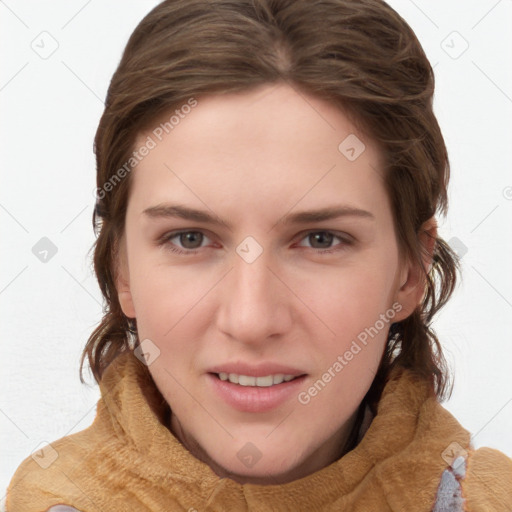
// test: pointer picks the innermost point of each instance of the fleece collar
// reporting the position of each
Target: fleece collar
(401, 448)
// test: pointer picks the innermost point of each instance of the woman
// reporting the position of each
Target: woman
(269, 174)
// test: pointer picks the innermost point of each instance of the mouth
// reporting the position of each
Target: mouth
(256, 394)
(259, 382)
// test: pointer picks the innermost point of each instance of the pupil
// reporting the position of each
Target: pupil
(323, 235)
(189, 236)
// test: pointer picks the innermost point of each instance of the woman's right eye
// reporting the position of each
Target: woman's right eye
(180, 235)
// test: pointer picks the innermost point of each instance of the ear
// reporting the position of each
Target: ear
(411, 283)
(123, 280)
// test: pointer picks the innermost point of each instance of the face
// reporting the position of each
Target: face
(255, 290)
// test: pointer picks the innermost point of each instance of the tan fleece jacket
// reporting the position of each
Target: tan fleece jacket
(128, 460)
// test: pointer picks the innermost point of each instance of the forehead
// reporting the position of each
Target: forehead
(274, 144)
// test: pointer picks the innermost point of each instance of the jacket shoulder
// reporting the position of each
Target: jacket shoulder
(487, 484)
(45, 478)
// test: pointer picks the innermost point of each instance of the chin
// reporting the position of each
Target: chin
(263, 476)
(250, 465)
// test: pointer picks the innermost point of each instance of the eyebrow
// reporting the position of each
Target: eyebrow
(304, 217)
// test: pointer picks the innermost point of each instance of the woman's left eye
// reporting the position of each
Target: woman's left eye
(328, 237)
(195, 239)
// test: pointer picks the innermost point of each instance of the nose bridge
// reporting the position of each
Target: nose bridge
(253, 307)
(253, 281)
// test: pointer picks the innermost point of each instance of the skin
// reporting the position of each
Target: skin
(251, 158)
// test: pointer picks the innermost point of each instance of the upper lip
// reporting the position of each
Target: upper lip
(259, 370)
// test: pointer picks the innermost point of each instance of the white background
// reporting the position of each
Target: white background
(50, 110)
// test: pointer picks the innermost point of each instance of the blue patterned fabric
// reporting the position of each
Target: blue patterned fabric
(449, 494)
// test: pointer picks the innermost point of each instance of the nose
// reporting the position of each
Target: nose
(255, 302)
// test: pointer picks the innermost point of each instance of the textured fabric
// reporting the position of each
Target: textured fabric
(128, 460)
(62, 508)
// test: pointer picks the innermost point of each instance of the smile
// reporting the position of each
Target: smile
(255, 394)
(248, 380)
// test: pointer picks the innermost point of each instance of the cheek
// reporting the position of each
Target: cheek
(356, 309)
(163, 294)
(351, 298)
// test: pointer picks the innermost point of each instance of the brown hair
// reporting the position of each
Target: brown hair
(360, 55)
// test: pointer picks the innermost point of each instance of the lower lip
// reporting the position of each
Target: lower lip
(253, 398)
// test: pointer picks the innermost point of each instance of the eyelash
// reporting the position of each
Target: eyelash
(165, 240)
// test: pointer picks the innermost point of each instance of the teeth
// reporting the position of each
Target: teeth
(247, 380)
(244, 380)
